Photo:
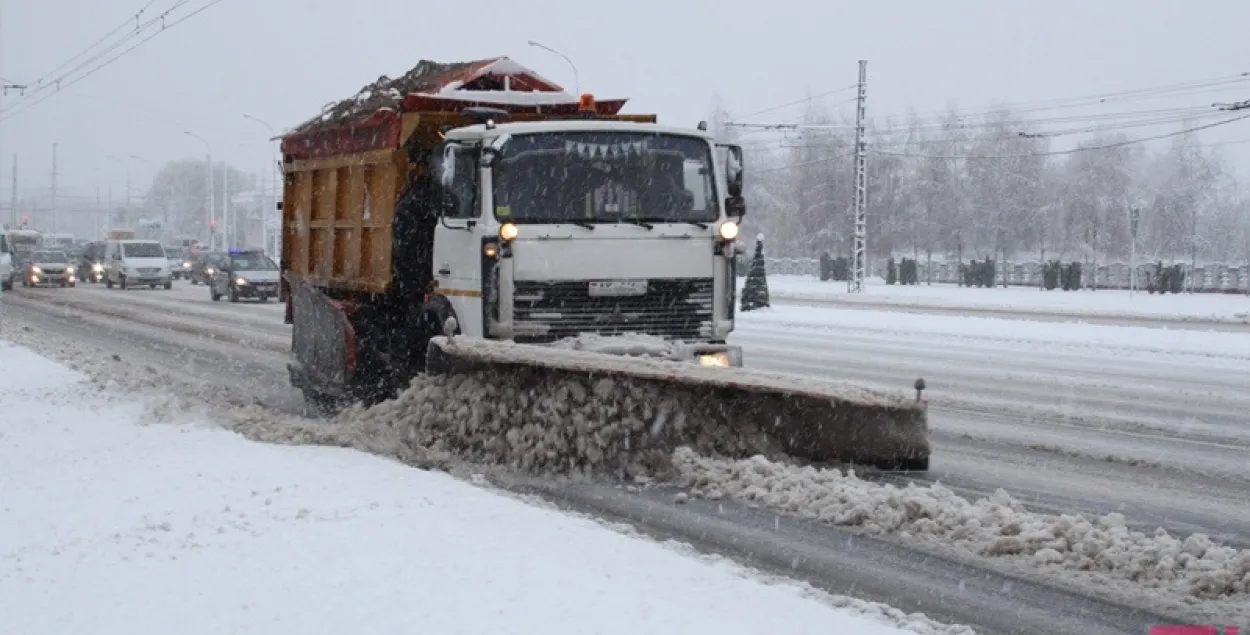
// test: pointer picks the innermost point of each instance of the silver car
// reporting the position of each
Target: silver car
(246, 273)
(52, 268)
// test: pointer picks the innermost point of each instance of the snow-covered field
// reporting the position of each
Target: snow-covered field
(117, 522)
(1102, 303)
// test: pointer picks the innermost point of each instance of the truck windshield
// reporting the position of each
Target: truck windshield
(143, 250)
(604, 177)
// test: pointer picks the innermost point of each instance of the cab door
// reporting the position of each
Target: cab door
(457, 242)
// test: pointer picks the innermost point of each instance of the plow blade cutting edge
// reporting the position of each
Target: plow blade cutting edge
(806, 418)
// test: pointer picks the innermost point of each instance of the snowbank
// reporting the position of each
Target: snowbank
(997, 527)
(1101, 303)
(120, 527)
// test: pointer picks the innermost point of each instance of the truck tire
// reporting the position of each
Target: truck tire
(108, 282)
(121, 282)
(321, 403)
(234, 293)
(169, 285)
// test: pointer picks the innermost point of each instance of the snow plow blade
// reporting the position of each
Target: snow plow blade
(806, 418)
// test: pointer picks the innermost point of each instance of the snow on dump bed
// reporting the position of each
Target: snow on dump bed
(997, 527)
(116, 527)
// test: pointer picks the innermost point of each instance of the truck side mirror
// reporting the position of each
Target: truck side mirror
(733, 169)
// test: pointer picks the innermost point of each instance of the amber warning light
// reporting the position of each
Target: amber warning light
(587, 103)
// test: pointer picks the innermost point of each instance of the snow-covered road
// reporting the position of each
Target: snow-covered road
(1067, 418)
(1063, 415)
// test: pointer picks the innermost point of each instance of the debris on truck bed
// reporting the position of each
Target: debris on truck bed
(547, 410)
(426, 77)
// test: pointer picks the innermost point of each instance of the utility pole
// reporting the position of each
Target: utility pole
(226, 222)
(13, 193)
(1134, 220)
(859, 188)
(55, 217)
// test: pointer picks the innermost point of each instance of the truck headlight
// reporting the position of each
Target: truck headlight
(718, 360)
(727, 231)
(36, 270)
(69, 270)
(186, 265)
(240, 281)
(98, 268)
(508, 231)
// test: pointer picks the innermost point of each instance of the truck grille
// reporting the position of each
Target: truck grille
(149, 270)
(674, 308)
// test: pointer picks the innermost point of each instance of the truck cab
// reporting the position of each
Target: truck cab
(553, 229)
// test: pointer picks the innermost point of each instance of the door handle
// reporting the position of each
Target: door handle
(444, 271)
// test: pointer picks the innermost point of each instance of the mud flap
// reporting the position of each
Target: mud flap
(805, 417)
(323, 341)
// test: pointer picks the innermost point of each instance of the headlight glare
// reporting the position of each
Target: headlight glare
(727, 231)
(508, 231)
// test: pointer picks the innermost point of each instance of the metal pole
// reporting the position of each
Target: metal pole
(859, 189)
(55, 218)
(226, 223)
(270, 237)
(208, 169)
(13, 193)
(1134, 215)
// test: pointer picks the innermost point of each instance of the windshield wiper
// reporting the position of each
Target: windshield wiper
(641, 223)
(582, 223)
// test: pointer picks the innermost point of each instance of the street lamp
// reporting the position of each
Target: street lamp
(577, 89)
(208, 218)
(272, 207)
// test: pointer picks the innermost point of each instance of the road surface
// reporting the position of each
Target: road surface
(1057, 462)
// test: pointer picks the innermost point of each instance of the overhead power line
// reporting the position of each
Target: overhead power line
(61, 82)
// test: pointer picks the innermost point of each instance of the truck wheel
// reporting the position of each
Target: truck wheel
(153, 286)
(234, 293)
(121, 282)
(72, 285)
(213, 294)
(7, 285)
(321, 403)
(169, 285)
(194, 280)
(108, 282)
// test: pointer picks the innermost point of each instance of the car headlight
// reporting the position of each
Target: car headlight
(36, 270)
(186, 265)
(240, 281)
(210, 271)
(69, 270)
(97, 267)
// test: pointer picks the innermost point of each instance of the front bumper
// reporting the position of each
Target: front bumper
(141, 279)
(51, 278)
(257, 289)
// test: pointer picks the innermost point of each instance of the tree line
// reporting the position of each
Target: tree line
(993, 185)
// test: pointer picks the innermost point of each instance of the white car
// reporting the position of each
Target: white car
(129, 263)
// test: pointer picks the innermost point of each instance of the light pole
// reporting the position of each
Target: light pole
(577, 86)
(117, 158)
(208, 215)
(270, 245)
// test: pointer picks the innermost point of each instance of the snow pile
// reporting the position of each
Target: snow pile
(551, 424)
(995, 527)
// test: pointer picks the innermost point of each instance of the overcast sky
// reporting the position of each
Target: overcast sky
(282, 60)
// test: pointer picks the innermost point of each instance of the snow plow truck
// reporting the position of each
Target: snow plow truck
(474, 216)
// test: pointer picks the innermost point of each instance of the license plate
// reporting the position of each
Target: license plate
(615, 288)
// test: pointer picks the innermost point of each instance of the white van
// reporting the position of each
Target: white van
(6, 263)
(129, 263)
